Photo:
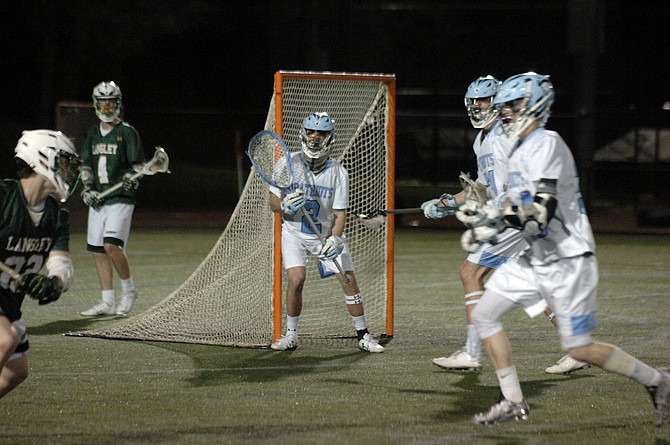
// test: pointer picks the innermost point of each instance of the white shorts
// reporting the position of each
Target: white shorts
(510, 244)
(568, 286)
(296, 252)
(109, 223)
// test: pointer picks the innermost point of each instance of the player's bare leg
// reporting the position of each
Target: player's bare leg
(296, 280)
(469, 357)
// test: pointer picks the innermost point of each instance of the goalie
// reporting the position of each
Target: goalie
(560, 266)
(322, 190)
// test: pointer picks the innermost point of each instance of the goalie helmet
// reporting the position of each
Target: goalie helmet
(483, 88)
(316, 147)
(107, 101)
(51, 155)
(529, 96)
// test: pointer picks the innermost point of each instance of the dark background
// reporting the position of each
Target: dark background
(196, 73)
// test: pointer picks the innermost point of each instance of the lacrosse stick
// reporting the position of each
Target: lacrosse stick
(158, 164)
(272, 161)
(11, 272)
(375, 219)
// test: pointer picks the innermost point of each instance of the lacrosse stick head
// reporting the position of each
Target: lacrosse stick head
(373, 220)
(158, 163)
(271, 159)
(475, 192)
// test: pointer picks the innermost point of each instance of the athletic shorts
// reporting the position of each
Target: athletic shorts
(568, 286)
(510, 244)
(296, 252)
(109, 223)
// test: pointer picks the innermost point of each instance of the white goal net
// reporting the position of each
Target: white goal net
(234, 298)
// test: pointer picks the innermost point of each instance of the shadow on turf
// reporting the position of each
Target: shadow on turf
(475, 398)
(217, 365)
(66, 326)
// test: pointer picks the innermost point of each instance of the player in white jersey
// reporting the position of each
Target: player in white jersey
(492, 149)
(545, 203)
(321, 188)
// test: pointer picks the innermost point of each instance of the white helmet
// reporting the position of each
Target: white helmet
(107, 90)
(536, 93)
(485, 87)
(51, 155)
(316, 152)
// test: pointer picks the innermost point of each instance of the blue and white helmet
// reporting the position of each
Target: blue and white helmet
(537, 94)
(317, 152)
(107, 91)
(482, 88)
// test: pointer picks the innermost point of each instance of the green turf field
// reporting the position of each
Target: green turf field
(98, 391)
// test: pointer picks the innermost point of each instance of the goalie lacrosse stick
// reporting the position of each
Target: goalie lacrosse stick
(272, 161)
(158, 164)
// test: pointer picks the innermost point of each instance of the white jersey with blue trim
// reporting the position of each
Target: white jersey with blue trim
(325, 192)
(544, 155)
(492, 152)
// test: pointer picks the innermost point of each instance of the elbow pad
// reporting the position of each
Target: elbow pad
(61, 266)
(533, 218)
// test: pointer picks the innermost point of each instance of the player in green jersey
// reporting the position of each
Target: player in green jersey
(111, 153)
(34, 232)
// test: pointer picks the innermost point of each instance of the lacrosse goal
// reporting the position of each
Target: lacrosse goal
(234, 298)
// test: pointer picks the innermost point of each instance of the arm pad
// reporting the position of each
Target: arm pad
(533, 218)
(61, 266)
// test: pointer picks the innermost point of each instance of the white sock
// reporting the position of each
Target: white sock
(509, 384)
(292, 324)
(127, 285)
(622, 363)
(359, 322)
(473, 344)
(108, 297)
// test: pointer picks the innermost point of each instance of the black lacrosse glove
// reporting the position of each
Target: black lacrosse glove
(42, 288)
(91, 197)
(130, 183)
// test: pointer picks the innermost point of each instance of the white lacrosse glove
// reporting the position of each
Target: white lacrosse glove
(293, 202)
(130, 184)
(473, 215)
(91, 197)
(439, 208)
(332, 248)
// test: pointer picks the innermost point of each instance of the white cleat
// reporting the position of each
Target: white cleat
(369, 344)
(566, 365)
(503, 411)
(286, 343)
(126, 303)
(459, 361)
(101, 308)
(660, 395)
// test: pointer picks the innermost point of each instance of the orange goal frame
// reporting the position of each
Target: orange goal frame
(390, 81)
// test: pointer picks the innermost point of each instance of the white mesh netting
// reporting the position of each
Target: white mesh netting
(228, 298)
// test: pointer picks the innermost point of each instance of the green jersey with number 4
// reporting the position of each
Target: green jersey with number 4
(112, 156)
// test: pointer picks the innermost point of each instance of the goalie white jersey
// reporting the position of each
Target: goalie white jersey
(544, 155)
(492, 152)
(325, 192)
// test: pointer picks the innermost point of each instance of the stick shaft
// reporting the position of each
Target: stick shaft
(11, 272)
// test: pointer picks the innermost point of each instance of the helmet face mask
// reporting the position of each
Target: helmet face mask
(524, 99)
(317, 136)
(51, 155)
(107, 101)
(481, 92)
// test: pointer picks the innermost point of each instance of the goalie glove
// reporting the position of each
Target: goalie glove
(130, 184)
(42, 288)
(91, 197)
(293, 202)
(332, 248)
(439, 208)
